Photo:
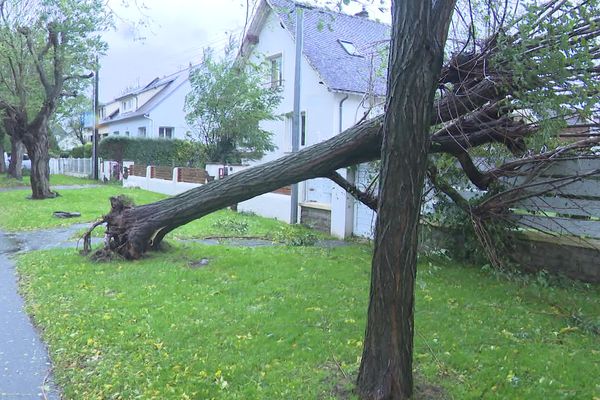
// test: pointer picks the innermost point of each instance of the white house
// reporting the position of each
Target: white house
(342, 80)
(154, 111)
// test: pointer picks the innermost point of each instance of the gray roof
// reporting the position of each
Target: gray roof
(323, 31)
(171, 83)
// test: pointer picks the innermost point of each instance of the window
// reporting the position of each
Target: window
(276, 71)
(303, 128)
(165, 132)
(289, 129)
(126, 133)
(142, 131)
(350, 48)
(127, 104)
(116, 133)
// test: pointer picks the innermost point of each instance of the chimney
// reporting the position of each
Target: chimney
(362, 14)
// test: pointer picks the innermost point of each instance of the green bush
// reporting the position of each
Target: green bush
(84, 151)
(170, 152)
(293, 235)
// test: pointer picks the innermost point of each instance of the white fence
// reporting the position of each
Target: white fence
(570, 203)
(80, 167)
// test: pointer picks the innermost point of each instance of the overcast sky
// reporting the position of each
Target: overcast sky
(176, 33)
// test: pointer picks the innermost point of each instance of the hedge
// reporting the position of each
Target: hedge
(84, 151)
(169, 152)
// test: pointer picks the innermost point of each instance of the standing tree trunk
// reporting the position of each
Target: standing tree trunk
(2, 161)
(15, 166)
(419, 30)
(37, 149)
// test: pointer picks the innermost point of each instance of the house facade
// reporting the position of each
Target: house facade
(153, 111)
(342, 82)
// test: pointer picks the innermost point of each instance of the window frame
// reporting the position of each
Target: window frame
(303, 128)
(276, 68)
(350, 48)
(163, 130)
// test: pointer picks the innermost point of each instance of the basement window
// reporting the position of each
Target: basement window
(350, 48)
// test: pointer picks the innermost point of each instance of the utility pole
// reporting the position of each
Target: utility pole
(96, 121)
(296, 113)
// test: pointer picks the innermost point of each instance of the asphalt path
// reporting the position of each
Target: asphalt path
(25, 369)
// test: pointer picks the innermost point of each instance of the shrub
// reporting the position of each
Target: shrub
(169, 152)
(84, 151)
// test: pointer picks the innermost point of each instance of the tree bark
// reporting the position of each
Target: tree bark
(418, 36)
(15, 166)
(2, 161)
(37, 148)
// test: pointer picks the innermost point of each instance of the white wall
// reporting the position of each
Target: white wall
(168, 187)
(322, 108)
(170, 113)
(315, 99)
(270, 205)
(130, 124)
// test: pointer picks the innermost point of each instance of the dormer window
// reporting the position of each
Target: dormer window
(127, 104)
(350, 48)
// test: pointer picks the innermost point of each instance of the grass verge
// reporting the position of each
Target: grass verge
(288, 322)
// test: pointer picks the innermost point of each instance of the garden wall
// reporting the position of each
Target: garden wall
(570, 256)
(165, 180)
(172, 181)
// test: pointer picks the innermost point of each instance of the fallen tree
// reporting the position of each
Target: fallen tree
(133, 230)
(477, 106)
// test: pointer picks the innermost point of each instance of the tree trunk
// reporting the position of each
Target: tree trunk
(2, 161)
(37, 148)
(132, 230)
(415, 63)
(15, 166)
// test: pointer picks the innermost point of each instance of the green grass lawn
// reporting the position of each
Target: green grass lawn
(54, 180)
(288, 323)
(19, 213)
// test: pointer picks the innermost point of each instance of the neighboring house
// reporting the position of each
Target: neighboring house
(154, 111)
(342, 80)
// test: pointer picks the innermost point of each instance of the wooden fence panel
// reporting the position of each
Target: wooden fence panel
(137, 170)
(579, 198)
(165, 173)
(192, 175)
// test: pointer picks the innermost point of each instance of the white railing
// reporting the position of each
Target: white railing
(80, 167)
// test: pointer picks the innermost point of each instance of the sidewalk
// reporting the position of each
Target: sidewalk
(25, 370)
